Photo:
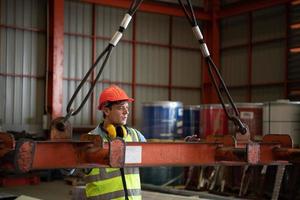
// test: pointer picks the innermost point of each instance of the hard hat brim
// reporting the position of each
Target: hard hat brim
(128, 99)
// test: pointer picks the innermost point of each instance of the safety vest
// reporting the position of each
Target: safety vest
(106, 183)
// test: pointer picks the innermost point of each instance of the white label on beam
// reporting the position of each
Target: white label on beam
(133, 154)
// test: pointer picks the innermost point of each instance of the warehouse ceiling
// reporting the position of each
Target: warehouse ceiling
(196, 3)
(200, 3)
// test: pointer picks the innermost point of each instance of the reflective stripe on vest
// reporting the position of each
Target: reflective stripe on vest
(106, 183)
(104, 174)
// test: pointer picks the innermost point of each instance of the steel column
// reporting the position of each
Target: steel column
(133, 84)
(170, 58)
(249, 57)
(94, 52)
(209, 94)
(56, 58)
(286, 92)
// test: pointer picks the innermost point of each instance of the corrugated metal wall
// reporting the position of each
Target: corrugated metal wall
(22, 64)
(186, 63)
(186, 69)
(294, 57)
(234, 55)
(269, 50)
(166, 65)
(268, 57)
(252, 55)
(153, 61)
(267, 93)
(182, 34)
(77, 57)
(164, 62)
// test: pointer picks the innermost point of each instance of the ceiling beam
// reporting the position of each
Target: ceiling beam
(249, 7)
(160, 8)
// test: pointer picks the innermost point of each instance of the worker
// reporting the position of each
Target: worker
(108, 183)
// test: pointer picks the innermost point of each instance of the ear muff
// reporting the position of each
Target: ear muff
(111, 130)
(116, 131)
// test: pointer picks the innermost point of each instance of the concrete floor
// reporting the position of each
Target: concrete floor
(55, 190)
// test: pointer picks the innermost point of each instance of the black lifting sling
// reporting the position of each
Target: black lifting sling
(213, 71)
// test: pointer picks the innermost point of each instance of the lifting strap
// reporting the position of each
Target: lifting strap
(213, 70)
(124, 183)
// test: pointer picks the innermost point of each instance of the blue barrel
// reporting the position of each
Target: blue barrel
(162, 120)
(191, 120)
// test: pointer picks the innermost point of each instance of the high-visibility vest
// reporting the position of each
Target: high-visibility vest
(106, 183)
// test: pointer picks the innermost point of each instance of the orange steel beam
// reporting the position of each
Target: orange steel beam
(7, 143)
(91, 152)
(62, 154)
(151, 7)
(295, 50)
(295, 2)
(295, 26)
(287, 153)
(67, 155)
(178, 154)
(187, 154)
(32, 155)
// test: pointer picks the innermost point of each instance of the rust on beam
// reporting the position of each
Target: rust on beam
(7, 143)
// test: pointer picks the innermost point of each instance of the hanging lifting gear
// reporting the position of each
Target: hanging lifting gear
(213, 68)
(124, 183)
(60, 124)
(106, 54)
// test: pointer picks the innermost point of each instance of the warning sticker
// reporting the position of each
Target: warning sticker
(133, 154)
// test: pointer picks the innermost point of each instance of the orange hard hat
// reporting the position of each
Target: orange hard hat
(111, 94)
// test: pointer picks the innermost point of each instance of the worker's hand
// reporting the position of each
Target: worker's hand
(193, 138)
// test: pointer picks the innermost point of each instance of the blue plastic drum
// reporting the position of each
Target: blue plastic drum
(162, 120)
(191, 120)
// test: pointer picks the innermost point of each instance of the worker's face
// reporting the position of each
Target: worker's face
(117, 114)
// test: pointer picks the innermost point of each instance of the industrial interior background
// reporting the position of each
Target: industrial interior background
(46, 48)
